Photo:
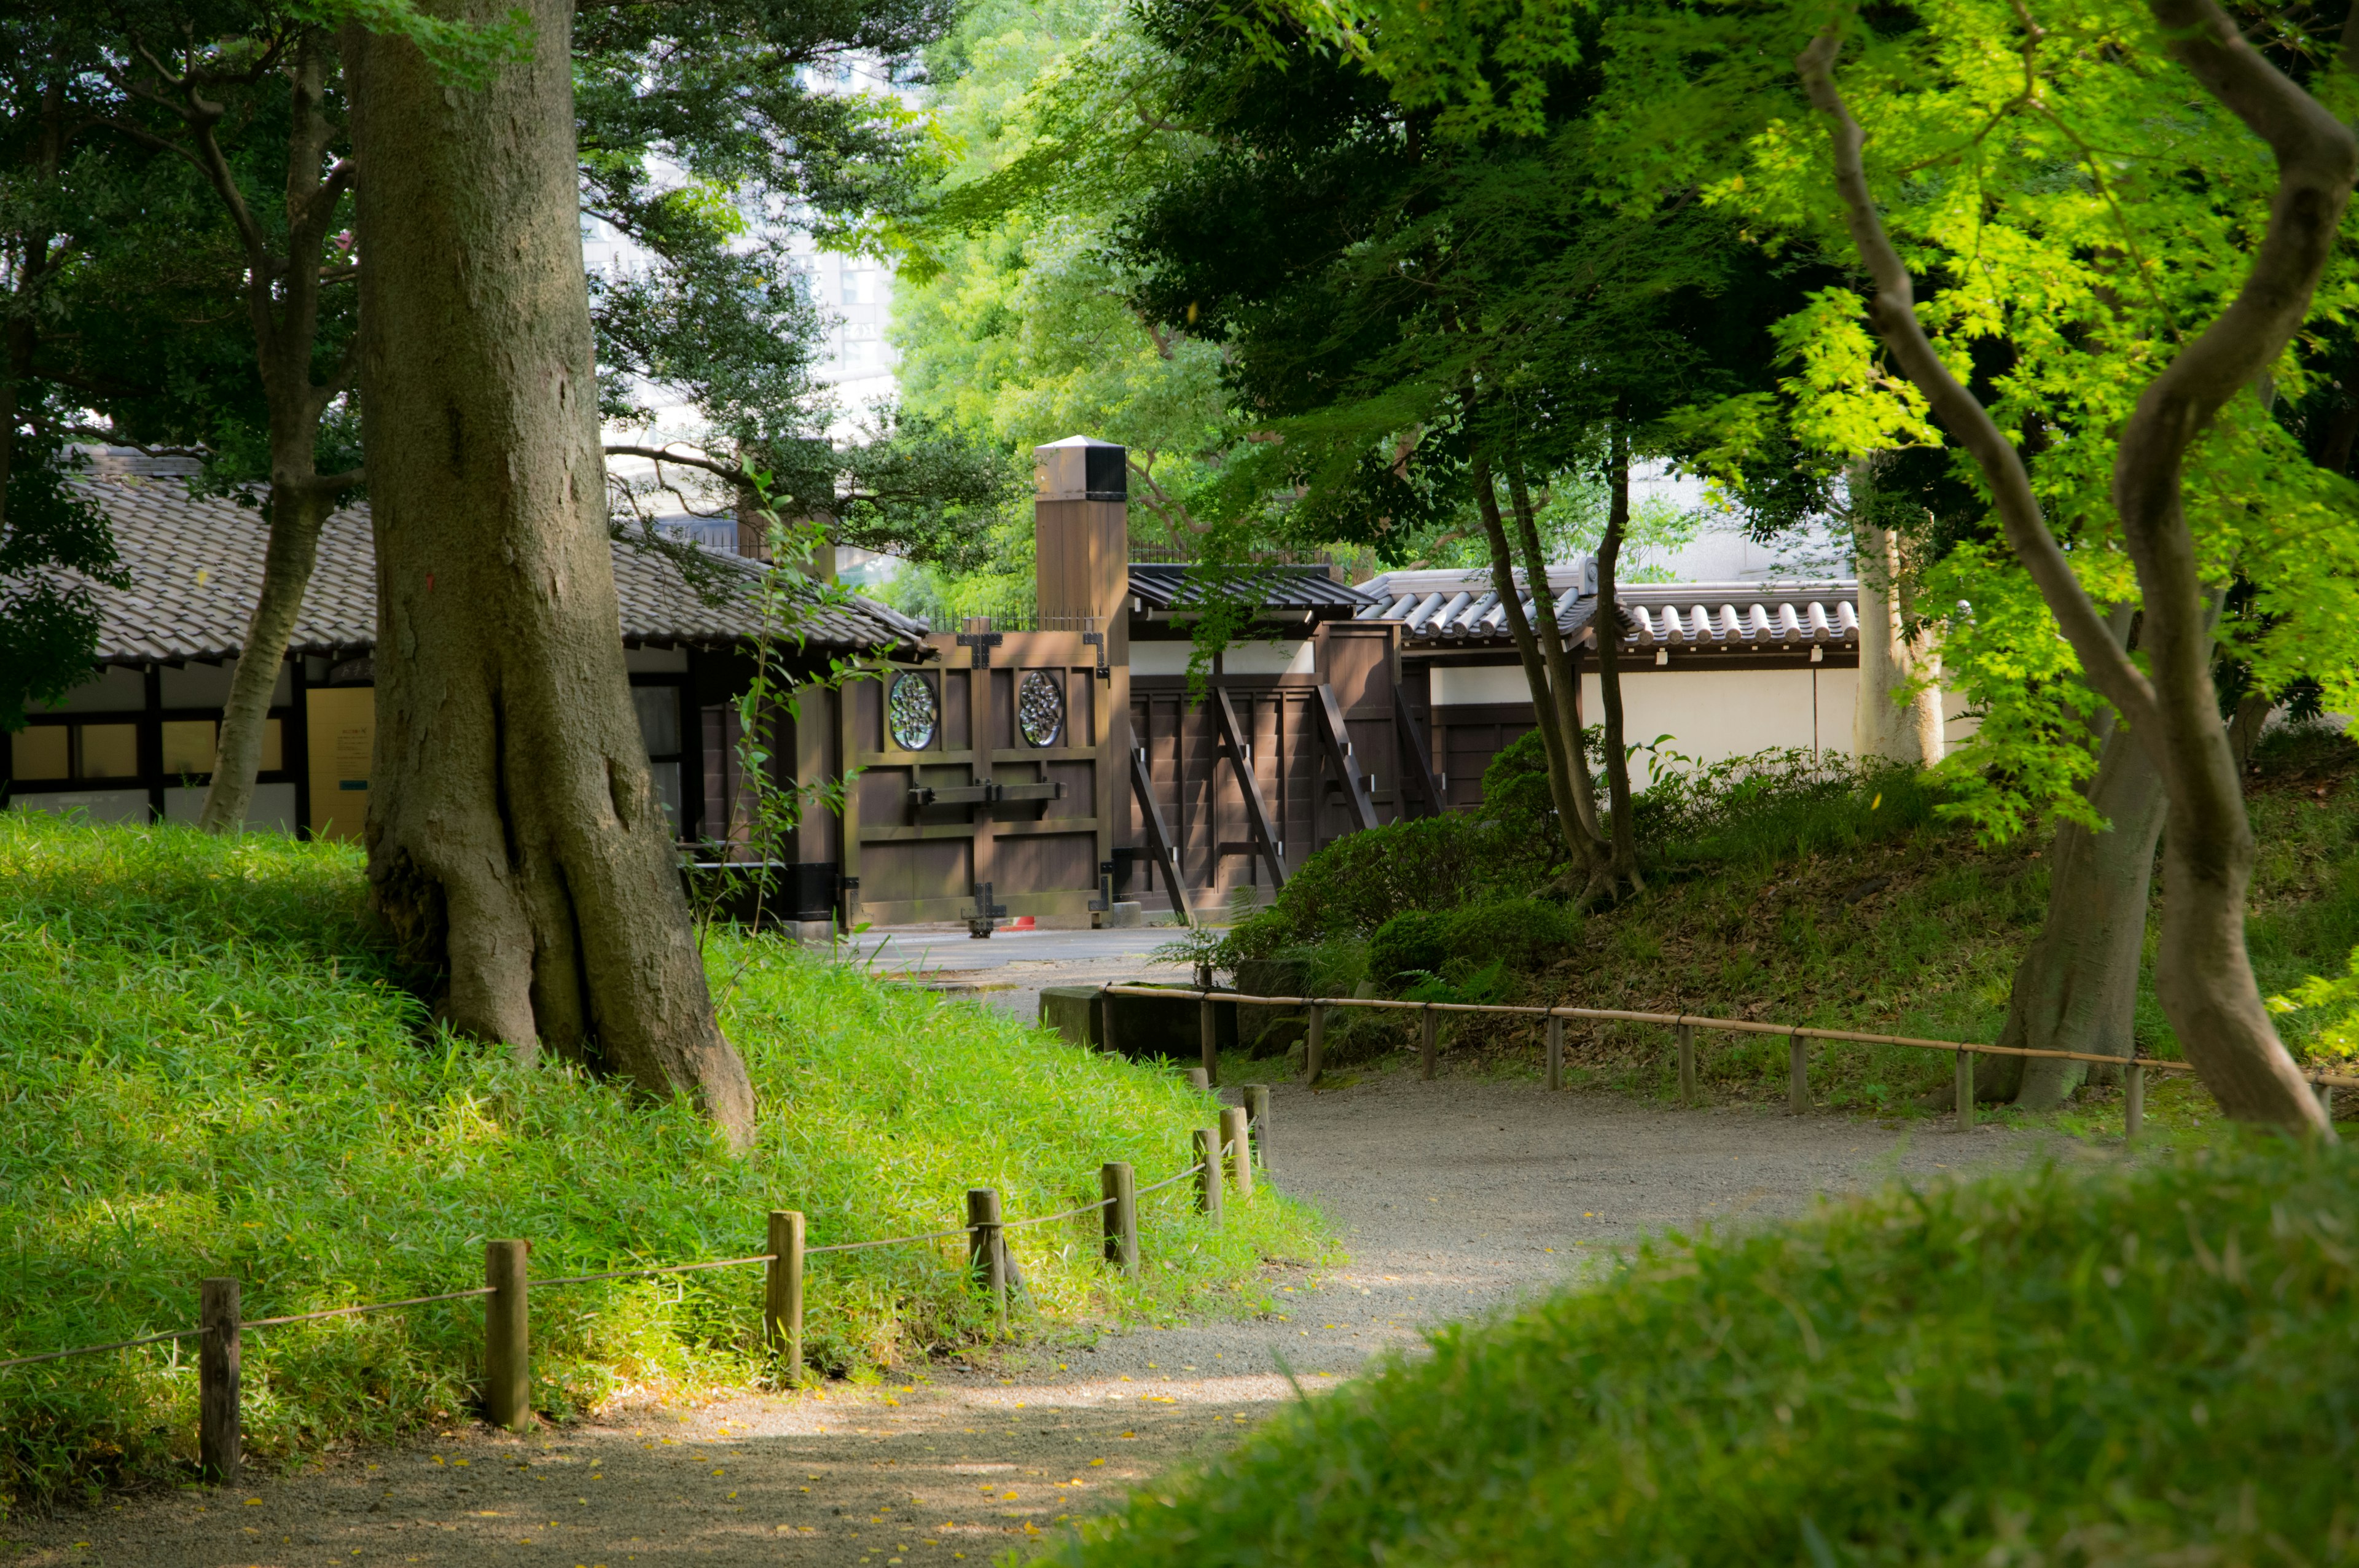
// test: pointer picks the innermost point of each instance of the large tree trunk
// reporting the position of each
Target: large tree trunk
(2076, 985)
(513, 834)
(1889, 720)
(2203, 972)
(1605, 625)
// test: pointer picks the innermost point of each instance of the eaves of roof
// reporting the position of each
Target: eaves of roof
(196, 571)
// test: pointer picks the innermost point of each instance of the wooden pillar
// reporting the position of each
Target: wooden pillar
(1797, 1076)
(1965, 1091)
(986, 1251)
(1555, 1053)
(1257, 1122)
(2133, 1101)
(1314, 1046)
(1119, 1187)
(1429, 1049)
(1081, 545)
(221, 1447)
(1207, 1025)
(1238, 1148)
(1208, 1172)
(1686, 1063)
(507, 1336)
(782, 1304)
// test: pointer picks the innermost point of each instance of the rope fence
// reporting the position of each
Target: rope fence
(1684, 1025)
(1232, 1146)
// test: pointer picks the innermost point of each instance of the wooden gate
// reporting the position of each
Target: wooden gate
(982, 790)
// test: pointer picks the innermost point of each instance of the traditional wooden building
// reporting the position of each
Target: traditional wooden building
(135, 742)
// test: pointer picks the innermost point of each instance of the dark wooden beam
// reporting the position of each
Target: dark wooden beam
(1256, 808)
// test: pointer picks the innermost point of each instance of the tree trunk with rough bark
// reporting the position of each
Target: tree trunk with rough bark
(2203, 972)
(2076, 986)
(514, 835)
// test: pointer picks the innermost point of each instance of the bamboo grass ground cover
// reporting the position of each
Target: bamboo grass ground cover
(209, 1065)
(2092, 1364)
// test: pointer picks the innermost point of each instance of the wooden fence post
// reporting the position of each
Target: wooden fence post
(1686, 1033)
(1257, 1122)
(1555, 1053)
(986, 1251)
(2326, 1104)
(1314, 1046)
(1965, 1091)
(2133, 1101)
(1208, 1179)
(1207, 1025)
(1429, 1046)
(1200, 1079)
(1238, 1148)
(1120, 1187)
(1797, 1077)
(782, 1303)
(507, 1335)
(220, 1438)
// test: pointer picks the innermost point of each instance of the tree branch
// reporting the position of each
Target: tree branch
(1893, 311)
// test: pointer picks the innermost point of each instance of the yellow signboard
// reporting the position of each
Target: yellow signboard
(343, 721)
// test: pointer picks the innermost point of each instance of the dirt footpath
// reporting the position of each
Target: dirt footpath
(1454, 1198)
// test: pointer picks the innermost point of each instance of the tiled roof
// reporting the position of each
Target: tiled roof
(1175, 585)
(196, 569)
(1443, 606)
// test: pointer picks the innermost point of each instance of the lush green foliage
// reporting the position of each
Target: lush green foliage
(1359, 882)
(211, 1068)
(1504, 934)
(2082, 1364)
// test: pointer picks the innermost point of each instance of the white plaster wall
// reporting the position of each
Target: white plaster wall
(1709, 714)
(1262, 659)
(1160, 658)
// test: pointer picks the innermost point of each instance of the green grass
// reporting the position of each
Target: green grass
(209, 1066)
(2078, 1365)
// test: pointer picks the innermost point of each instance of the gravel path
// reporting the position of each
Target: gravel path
(1454, 1198)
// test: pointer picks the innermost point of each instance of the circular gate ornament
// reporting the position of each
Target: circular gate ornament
(911, 712)
(1040, 708)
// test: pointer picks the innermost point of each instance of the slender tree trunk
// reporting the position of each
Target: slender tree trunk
(1564, 677)
(1536, 674)
(514, 835)
(1889, 720)
(1605, 626)
(297, 513)
(283, 293)
(2203, 972)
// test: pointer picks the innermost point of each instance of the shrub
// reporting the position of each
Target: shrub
(1778, 805)
(1412, 942)
(2082, 1364)
(1516, 934)
(1355, 885)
